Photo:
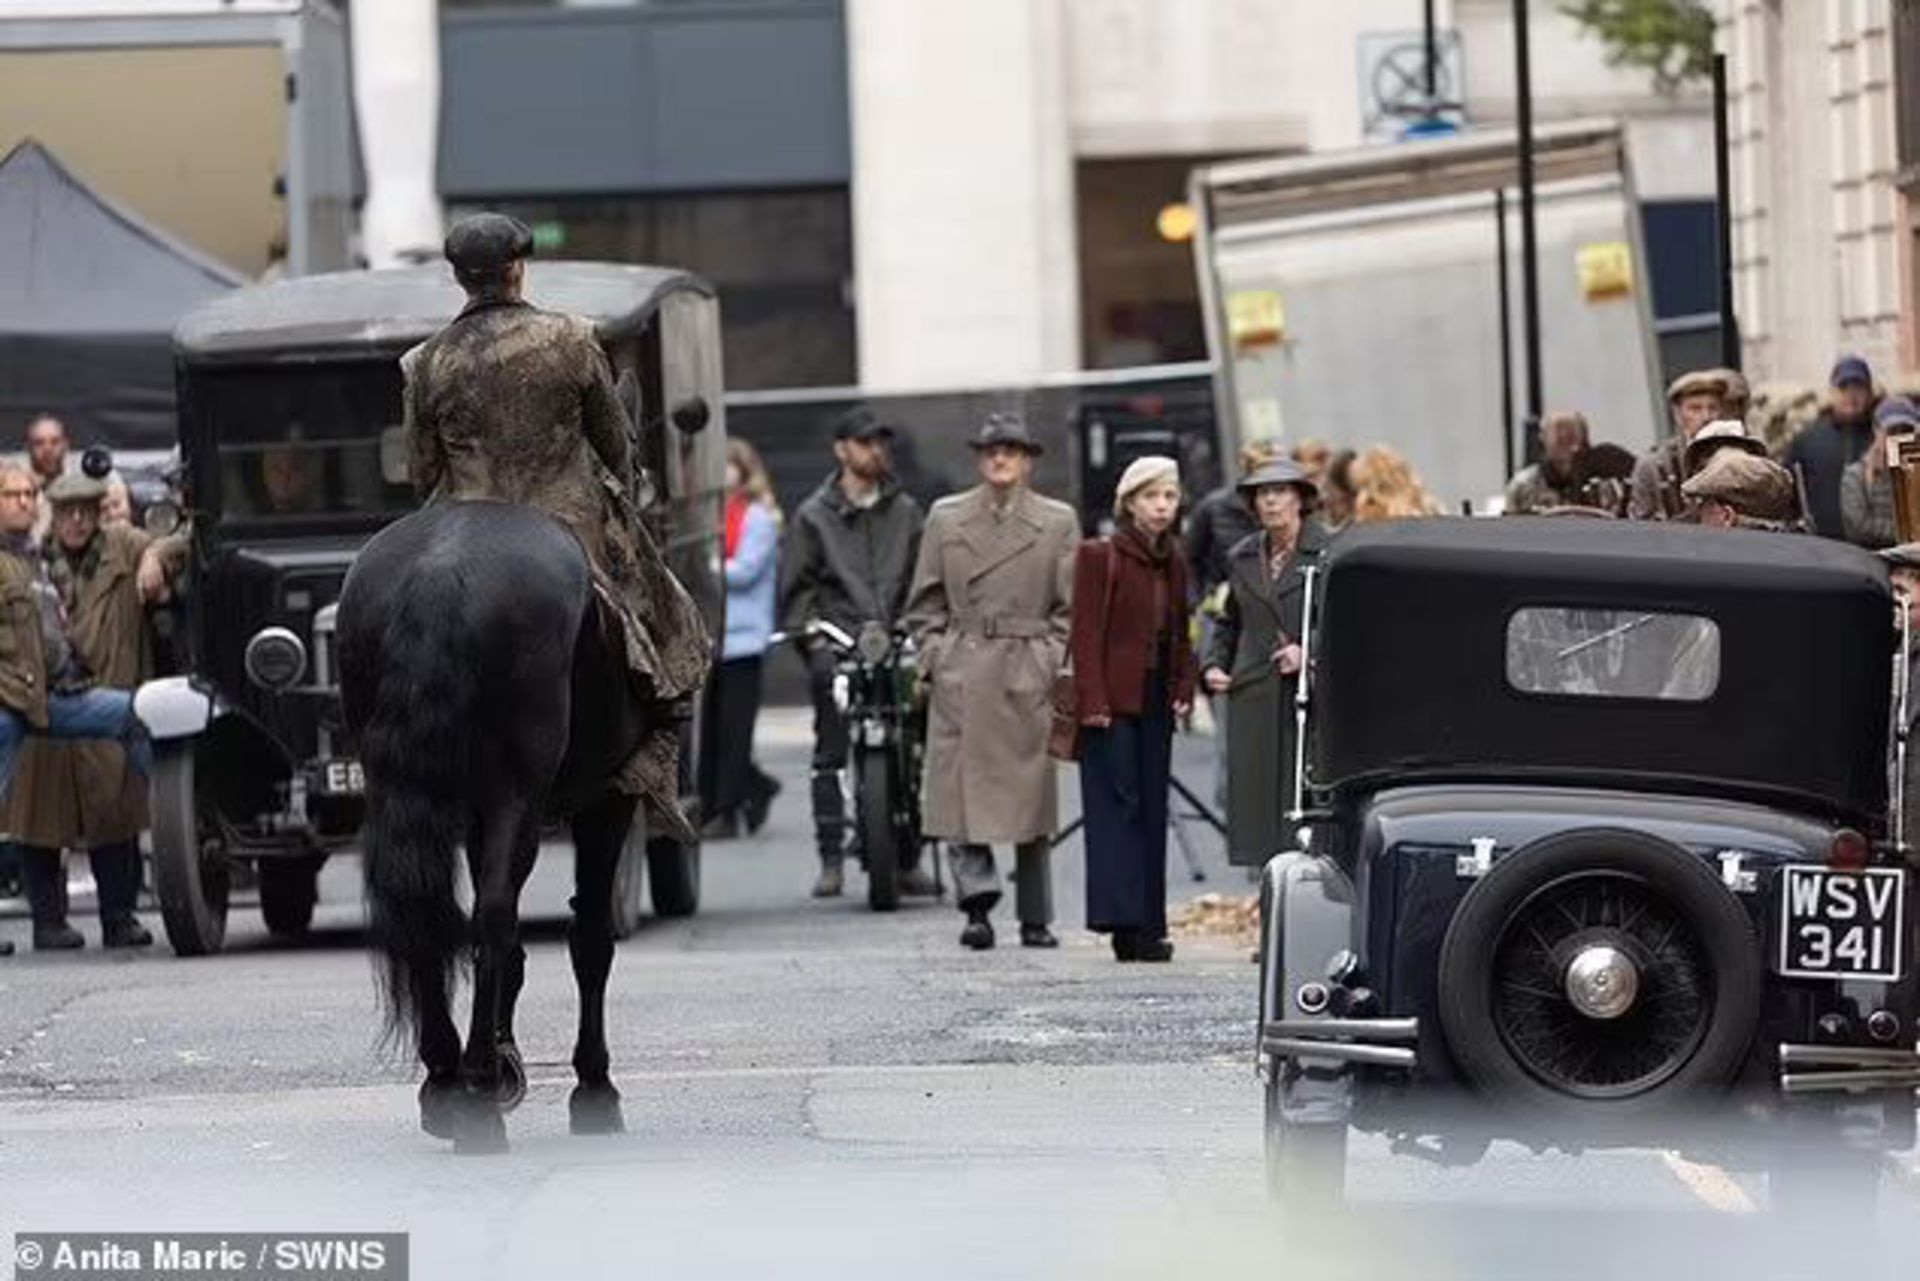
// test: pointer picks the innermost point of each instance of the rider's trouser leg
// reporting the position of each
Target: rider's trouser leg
(829, 759)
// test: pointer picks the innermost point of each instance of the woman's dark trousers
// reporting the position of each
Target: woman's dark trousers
(728, 777)
(1123, 793)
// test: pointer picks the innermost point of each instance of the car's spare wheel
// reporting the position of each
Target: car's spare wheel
(1599, 968)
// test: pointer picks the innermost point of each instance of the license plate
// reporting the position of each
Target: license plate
(343, 778)
(1848, 925)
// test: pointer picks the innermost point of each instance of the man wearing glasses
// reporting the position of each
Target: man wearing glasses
(43, 686)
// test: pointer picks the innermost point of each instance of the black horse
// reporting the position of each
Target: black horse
(480, 681)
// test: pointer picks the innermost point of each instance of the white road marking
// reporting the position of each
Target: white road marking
(1710, 1184)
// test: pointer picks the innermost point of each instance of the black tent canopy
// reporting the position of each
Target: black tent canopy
(89, 295)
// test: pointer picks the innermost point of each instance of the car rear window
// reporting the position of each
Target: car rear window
(1613, 653)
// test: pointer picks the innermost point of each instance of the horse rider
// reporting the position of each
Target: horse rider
(991, 608)
(510, 403)
(43, 686)
(82, 795)
(849, 561)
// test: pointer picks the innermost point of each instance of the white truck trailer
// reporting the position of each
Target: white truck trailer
(1355, 297)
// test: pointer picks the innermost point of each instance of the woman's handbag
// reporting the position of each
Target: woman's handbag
(1063, 735)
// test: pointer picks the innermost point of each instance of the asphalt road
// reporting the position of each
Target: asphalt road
(811, 1090)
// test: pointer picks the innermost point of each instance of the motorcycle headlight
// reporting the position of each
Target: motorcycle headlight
(875, 642)
(276, 659)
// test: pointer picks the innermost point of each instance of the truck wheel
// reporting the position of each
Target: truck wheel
(190, 872)
(630, 881)
(879, 843)
(289, 888)
(674, 872)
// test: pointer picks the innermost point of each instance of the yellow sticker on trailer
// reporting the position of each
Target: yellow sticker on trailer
(1606, 270)
(1255, 317)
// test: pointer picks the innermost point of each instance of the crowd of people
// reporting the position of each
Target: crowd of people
(76, 578)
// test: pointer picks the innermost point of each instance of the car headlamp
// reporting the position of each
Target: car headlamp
(276, 659)
(874, 643)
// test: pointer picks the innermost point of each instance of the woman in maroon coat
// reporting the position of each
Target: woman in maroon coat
(1133, 677)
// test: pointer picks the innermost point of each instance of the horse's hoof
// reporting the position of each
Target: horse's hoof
(440, 1107)
(595, 1109)
(511, 1090)
(482, 1130)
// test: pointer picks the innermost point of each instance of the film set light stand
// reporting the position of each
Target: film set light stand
(1176, 822)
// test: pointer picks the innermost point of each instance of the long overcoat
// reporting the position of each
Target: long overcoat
(512, 404)
(1261, 615)
(991, 609)
(81, 795)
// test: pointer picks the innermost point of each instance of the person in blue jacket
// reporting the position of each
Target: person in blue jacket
(734, 791)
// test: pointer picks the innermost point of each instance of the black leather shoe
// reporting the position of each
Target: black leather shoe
(1126, 945)
(759, 805)
(1037, 936)
(978, 935)
(1153, 950)
(60, 937)
(125, 934)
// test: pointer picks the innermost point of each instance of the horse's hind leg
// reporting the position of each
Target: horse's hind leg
(502, 858)
(599, 835)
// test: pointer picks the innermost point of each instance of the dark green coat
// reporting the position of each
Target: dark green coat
(1260, 711)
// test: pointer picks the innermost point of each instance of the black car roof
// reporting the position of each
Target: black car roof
(1412, 654)
(392, 309)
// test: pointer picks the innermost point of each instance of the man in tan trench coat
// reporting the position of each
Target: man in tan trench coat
(990, 608)
(82, 794)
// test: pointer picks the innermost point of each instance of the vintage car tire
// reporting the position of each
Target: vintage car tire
(1306, 1161)
(673, 875)
(873, 805)
(190, 873)
(630, 882)
(289, 889)
(1723, 936)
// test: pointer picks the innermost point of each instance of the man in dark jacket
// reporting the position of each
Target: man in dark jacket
(512, 404)
(1827, 446)
(849, 561)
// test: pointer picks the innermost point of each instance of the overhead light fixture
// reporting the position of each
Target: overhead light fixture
(1176, 222)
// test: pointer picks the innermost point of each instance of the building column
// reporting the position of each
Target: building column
(965, 268)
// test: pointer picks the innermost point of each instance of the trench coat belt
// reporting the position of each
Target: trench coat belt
(994, 627)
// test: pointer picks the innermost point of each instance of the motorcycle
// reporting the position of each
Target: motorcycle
(876, 686)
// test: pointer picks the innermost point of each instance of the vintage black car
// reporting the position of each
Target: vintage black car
(294, 454)
(1596, 852)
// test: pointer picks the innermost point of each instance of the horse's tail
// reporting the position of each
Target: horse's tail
(413, 747)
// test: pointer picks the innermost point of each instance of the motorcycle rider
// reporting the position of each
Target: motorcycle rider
(849, 561)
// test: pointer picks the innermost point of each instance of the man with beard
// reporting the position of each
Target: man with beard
(849, 561)
(513, 404)
(1557, 480)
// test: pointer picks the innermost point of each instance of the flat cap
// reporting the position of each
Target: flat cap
(859, 423)
(487, 242)
(1755, 487)
(1905, 556)
(1722, 433)
(1697, 382)
(1005, 429)
(76, 488)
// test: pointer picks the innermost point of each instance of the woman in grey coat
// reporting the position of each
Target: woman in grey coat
(1255, 657)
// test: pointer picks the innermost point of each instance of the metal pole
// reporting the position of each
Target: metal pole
(1506, 328)
(1723, 215)
(1529, 241)
(1433, 61)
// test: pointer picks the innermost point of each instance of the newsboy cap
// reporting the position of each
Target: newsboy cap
(1905, 556)
(487, 243)
(1005, 429)
(1697, 382)
(76, 488)
(860, 424)
(1755, 487)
